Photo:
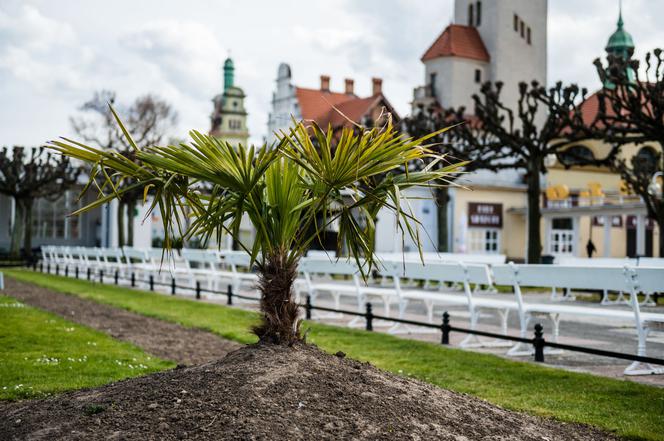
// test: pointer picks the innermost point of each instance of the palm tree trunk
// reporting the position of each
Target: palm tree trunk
(280, 323)
(17, 229)
(121, 222)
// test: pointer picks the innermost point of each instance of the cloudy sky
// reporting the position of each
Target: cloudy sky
(55, 54)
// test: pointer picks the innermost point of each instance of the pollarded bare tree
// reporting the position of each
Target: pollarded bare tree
(27, 174)
(631, 110)
(521, 137)
(148, 119)
(452, 145)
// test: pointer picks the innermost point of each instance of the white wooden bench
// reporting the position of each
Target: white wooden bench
(606, 262)
(318, 276)
(239, 263)
(464, 275)
(611, 279)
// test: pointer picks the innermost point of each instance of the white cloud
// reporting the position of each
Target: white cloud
(186, 53)
(54, 55)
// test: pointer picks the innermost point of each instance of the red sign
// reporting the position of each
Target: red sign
(485, 215)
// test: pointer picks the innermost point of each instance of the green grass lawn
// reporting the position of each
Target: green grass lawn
(632, 410)
(40, 353)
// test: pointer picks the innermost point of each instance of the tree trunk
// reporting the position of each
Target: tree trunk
(279, 322)
(121, 223)
(442, 200)
(131, 208)
(534, 216)
(17, 229)
(27, 235)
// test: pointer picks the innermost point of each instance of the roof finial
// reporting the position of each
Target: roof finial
(620, 20)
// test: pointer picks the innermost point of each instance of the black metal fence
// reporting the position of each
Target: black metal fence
(538, 342)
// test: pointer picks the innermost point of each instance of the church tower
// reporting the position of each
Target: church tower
(229, 117)
(490, 40)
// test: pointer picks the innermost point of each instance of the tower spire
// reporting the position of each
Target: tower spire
(229, 73)
(620, 19)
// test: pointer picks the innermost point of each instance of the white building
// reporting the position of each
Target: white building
(493, 41)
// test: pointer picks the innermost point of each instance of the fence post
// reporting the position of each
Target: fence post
(76, 272)
(57, 269)
(89, 274)
(101, 276)
(307, 308)
(151, 282)
(34, 267)
(133, 280)
(116, 277)
(369, 317)
(48, 268)
(172, 286)
(445, 328)
(538, 343)
(198, 290)
(41, 267)
(229, 293)
(66, 270)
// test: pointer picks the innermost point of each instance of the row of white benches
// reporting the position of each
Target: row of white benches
(213, 269)
(471, 277)
(438, 283)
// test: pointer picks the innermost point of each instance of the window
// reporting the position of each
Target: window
(50, 221)
(470, 15)
(478, 76)
(516, 23)
(522, 27)
(484, 240)
(562, 238)
(645, 160)
(234, 124)
(432, 83)
(479, 13)
(528, 36)
(576, 155)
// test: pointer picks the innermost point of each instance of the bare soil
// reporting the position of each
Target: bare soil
(267, 392)
(166, 340)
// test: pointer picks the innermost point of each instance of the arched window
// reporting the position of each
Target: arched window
(645, 161)
(576, 155)
(479, 13)
(471, 18)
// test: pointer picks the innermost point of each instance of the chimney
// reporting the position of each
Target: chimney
(325, 83)
(377, 84)
(349, 86)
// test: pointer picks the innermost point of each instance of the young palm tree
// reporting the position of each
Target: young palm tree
(282, 189)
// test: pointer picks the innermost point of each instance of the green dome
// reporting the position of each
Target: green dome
(620, 43)
(228, 63)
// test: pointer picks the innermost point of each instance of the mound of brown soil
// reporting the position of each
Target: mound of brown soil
(275, 393)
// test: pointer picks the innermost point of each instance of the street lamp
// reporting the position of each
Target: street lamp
(655, 187)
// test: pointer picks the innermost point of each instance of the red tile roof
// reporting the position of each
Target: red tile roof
(458, 41)
(315, 103)
(337, 108)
